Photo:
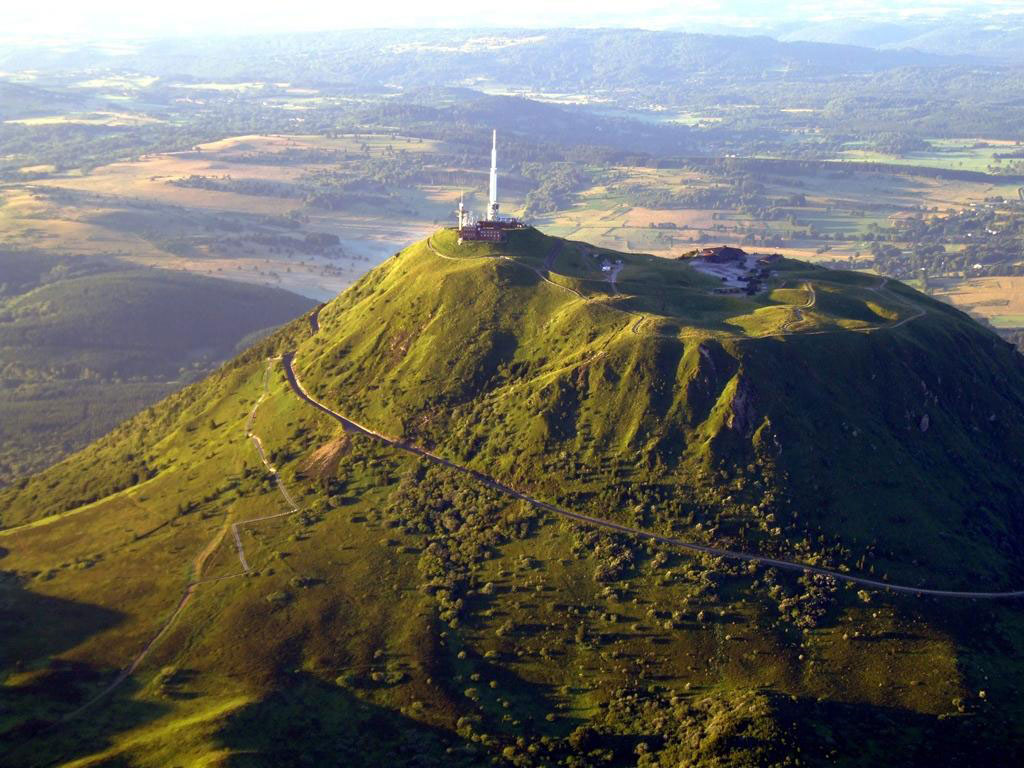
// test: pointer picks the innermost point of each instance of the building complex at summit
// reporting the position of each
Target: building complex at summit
(493, 227)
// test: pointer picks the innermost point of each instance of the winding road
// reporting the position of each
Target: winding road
(798, 312)
(350, 425)
(353, 426)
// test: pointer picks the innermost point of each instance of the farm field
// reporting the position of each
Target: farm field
(968, 154)
(999, 300)
(836, 213)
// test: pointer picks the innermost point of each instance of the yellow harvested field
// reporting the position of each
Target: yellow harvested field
(1000, 300)
(135, 211)
(90, 118)
(147, 179)
(644, 217)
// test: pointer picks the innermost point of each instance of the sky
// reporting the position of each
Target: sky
(37, 20)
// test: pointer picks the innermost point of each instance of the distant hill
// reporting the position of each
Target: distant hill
(18, 100)
(552, 59)
(463, 574)
(717, 94)
(957, 35)
(85, 344)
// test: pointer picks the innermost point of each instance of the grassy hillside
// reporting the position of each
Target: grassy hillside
(825, 405)
(84, 344)
(406, 613)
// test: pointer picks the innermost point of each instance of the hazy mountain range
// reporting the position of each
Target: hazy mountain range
(995, 39)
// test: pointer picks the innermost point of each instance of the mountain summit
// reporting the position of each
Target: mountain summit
(828, 399)
(541, 503)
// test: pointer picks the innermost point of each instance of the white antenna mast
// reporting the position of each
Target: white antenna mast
(461, 211)
(493, 208)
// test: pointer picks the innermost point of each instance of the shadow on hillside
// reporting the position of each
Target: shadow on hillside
(513, 699)
(312, 723)
(309, 722)
(39, 689)
(764, 727)
(34, 627)
(871, 735)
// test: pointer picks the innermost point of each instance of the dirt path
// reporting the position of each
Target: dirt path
(545, 275)
(293, 506)
(798, 312)
(199, 561)
(549, 261)
(197, 570)
(880, 287)
(353, 426)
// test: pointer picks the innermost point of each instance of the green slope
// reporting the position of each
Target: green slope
(410, 614)
(86, 343)
(816, 432)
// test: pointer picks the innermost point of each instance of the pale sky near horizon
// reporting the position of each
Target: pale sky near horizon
(78, 19)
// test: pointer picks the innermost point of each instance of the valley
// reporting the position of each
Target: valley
(87, 342)
(231, 209)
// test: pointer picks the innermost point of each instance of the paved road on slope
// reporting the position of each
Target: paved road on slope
(355, 427)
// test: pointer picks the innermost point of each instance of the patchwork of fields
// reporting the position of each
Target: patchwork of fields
(239, 209)
(834, 220)
(843, 207)
(247, 223)
(1000, 300)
